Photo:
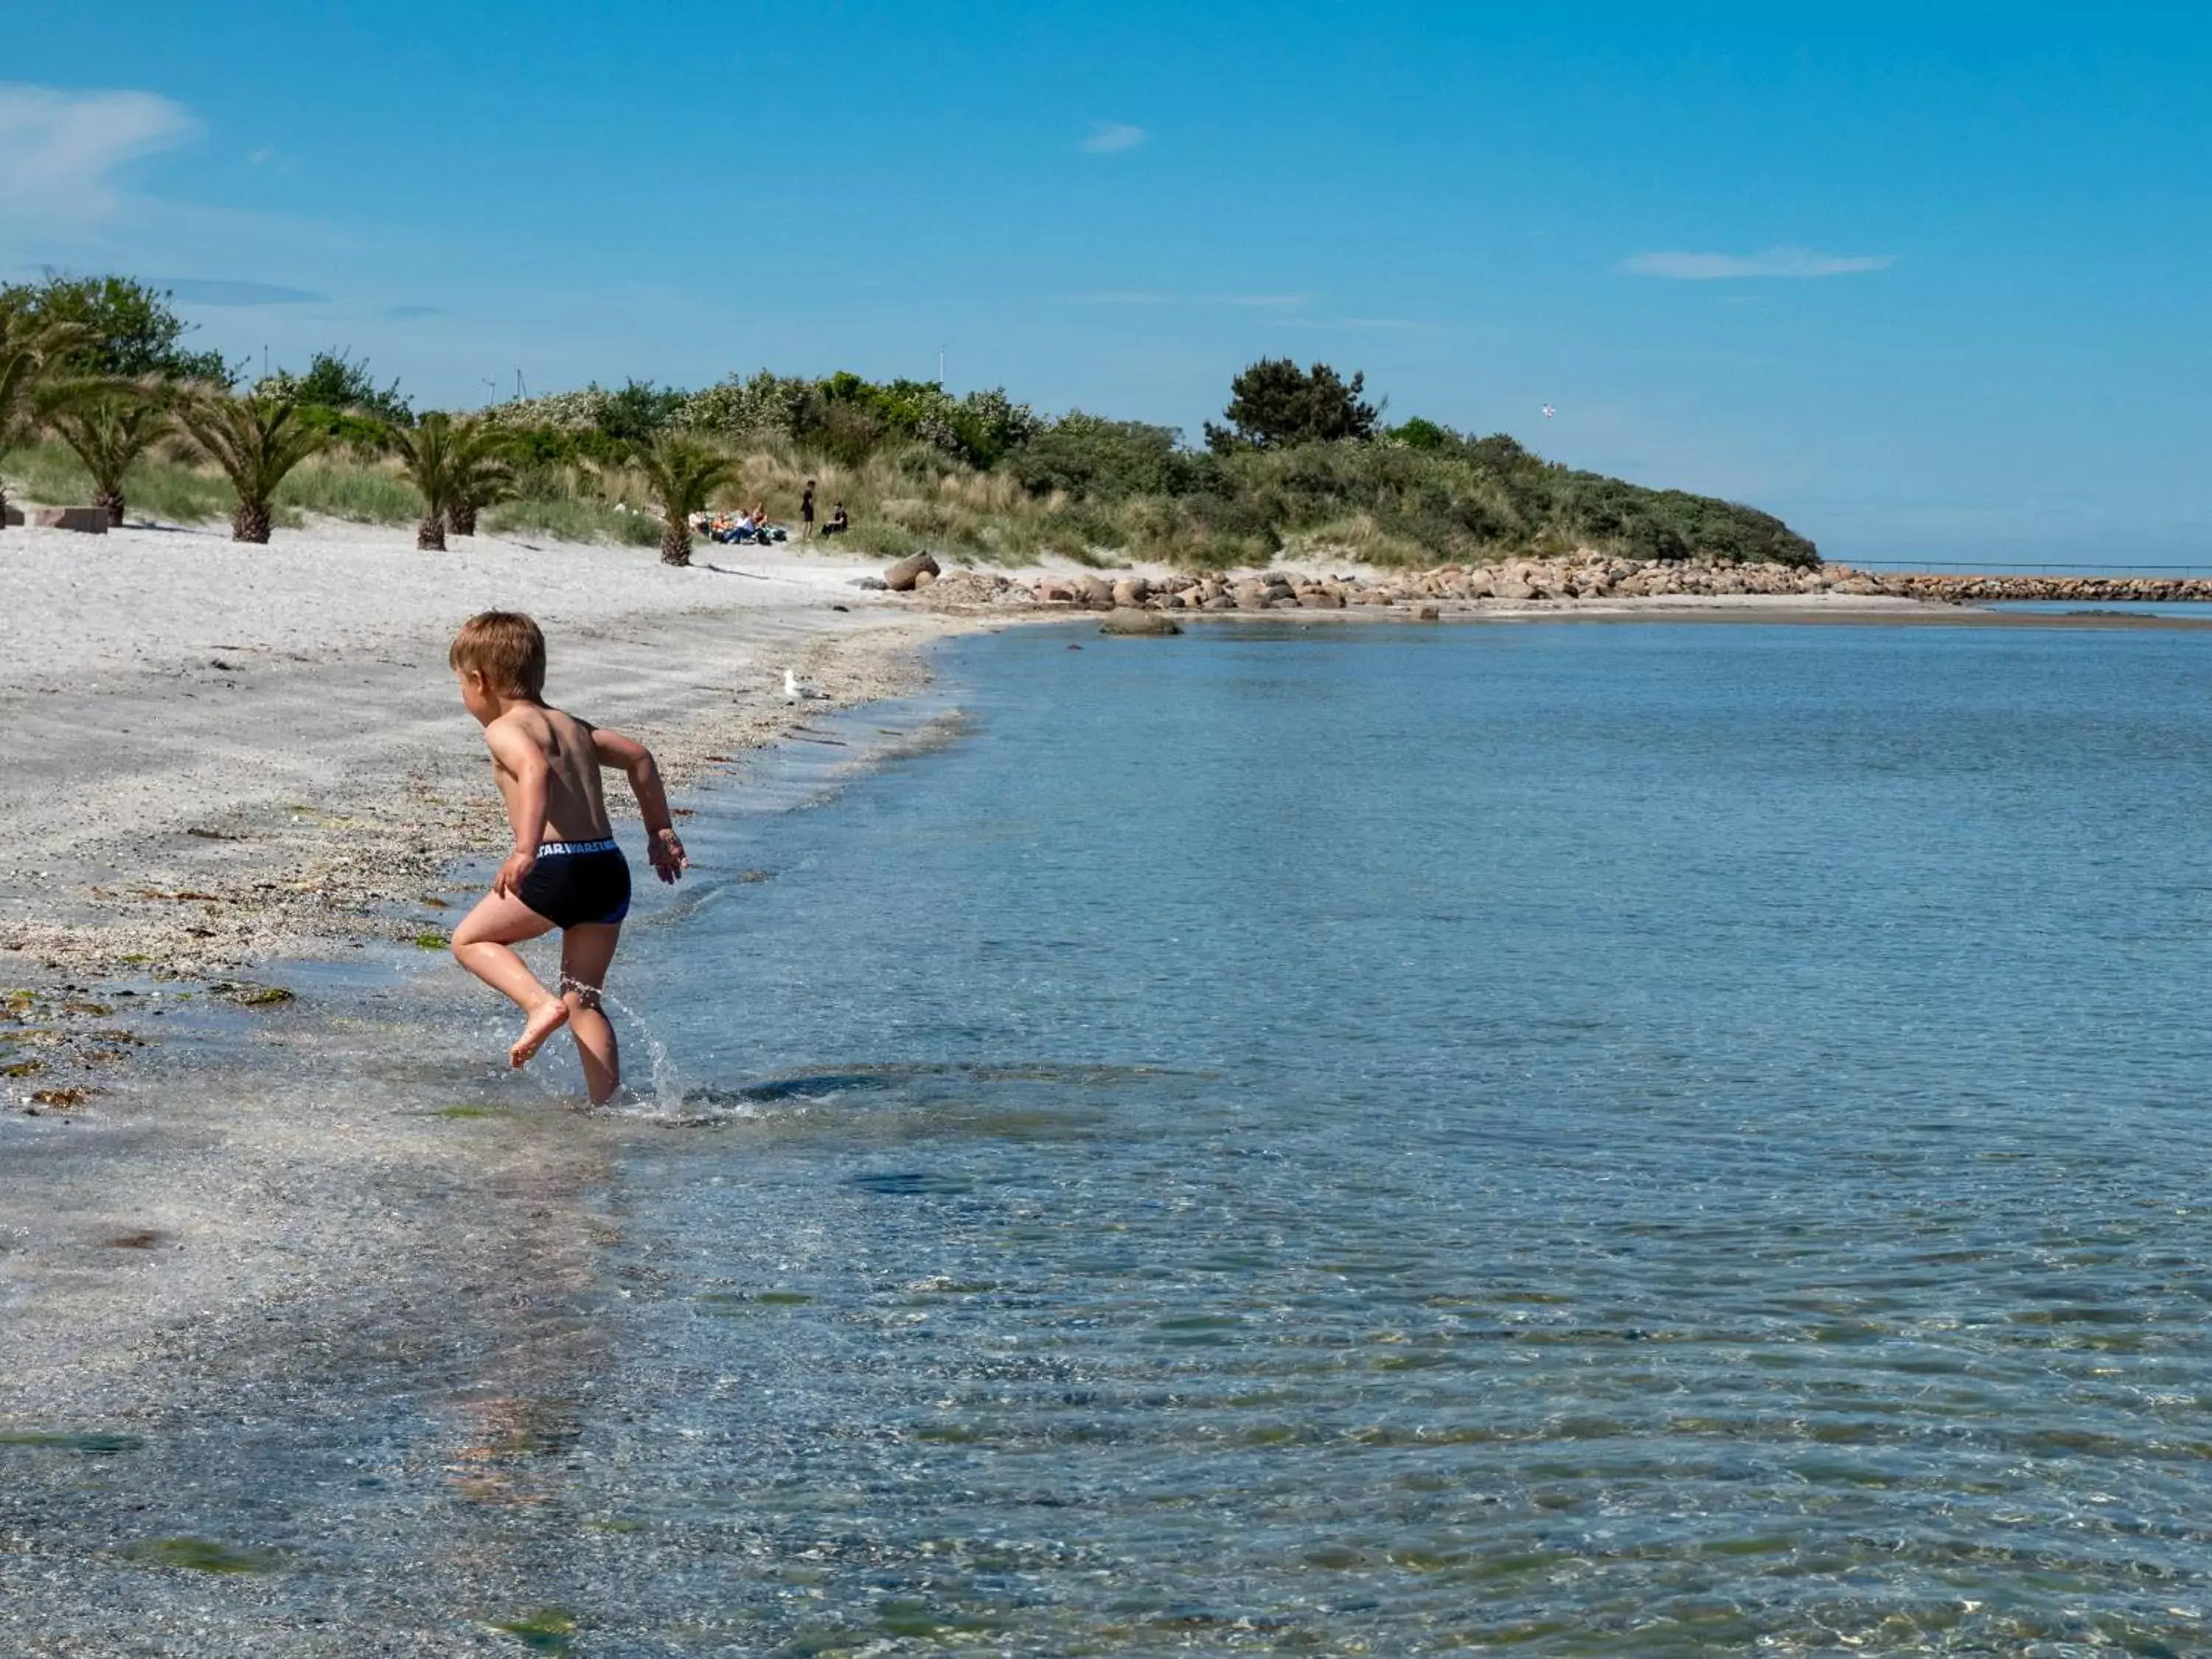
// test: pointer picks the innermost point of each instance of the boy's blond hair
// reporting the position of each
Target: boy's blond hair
(506, 647)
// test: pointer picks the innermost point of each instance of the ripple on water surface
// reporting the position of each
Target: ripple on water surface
(1646, 1140)
(1665, 1139)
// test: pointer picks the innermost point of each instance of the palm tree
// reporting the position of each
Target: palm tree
(109, 424)
(681, 473)
(31, 352)
(483, 472)
(256, 442)
(427, 457)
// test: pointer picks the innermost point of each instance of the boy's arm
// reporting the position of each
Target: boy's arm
(525, 805)
(634, 760)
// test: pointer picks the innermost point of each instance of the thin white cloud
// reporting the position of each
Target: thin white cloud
(1112, 137)
(59, 150)
(1774, 262)
(1160, 297)
(222, 291)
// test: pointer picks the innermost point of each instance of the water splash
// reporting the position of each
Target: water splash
(663, 1094)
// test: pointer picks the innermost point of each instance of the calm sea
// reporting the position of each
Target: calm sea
(1586, 1139)
(1622, 1139)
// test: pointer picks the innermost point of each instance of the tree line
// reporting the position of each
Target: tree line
(1299, 454)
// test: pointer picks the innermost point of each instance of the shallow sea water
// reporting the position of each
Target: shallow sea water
(1625, 1139)
(1641, 1139)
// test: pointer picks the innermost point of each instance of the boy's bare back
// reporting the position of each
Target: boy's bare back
(566, 748)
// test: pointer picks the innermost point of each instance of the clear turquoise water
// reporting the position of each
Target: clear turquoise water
(1626, 1139)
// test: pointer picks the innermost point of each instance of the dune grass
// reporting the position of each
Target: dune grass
(569, 519)
(174, 491)
(363, 492)
(900, 501)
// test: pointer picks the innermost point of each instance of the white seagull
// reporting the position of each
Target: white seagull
(794, 692)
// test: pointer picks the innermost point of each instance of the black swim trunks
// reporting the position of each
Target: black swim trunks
(575, 882)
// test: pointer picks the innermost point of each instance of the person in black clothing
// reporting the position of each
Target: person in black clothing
(806, 511)
(839, 523)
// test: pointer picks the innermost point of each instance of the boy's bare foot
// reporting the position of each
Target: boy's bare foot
(542, 1024)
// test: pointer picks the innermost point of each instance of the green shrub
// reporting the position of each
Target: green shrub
(131, 329)
(1087, 455)
(336, 386)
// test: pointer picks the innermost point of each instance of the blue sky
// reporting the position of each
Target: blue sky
(1926, 285)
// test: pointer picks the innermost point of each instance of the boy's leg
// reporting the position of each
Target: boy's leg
(483, 944)
(586, 951)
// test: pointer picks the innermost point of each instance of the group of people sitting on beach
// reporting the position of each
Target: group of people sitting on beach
(751, 524)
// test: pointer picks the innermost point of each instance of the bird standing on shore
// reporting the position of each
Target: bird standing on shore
(794, 692)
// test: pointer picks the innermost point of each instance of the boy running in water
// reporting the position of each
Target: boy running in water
(566, 871)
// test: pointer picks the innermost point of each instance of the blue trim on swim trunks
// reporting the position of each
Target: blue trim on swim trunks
(556, 849)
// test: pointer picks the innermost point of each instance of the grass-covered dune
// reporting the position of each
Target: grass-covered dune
(1300, 465)
(1075, 493)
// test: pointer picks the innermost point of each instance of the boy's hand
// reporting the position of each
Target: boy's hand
(666, 853)
(511, 873)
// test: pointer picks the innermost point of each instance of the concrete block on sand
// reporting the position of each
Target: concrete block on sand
(10, 516)
(90, 520)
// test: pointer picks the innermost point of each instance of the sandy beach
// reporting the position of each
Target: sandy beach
(227, 752)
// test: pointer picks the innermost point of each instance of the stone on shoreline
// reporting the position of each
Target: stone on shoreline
(1137, 623)
(900, 578)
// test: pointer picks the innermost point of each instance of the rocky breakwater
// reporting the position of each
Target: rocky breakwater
(1511, 584)
(2074, 590)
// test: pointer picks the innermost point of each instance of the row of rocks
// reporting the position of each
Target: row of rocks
(1511, 581)
(2079, 589)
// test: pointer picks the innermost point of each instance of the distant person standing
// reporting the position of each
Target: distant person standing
(806, 511)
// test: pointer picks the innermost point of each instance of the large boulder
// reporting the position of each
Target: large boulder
(900, 577)
(1136, 623)
(1132, 590)
(1095, 593)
